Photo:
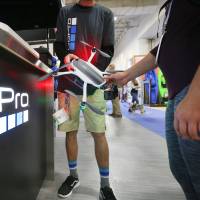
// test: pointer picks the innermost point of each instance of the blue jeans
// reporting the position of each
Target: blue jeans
(135, 98)
(184, 155)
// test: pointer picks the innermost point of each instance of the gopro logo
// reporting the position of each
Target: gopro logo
(19, 100)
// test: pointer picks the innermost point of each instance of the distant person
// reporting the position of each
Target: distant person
(135, 105)
(178, 56)
(116, 110)
(124, 93)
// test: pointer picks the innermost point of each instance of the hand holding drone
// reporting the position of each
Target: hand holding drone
(86, 71)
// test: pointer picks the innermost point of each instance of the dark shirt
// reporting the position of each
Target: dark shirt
(94, 25)
(179, 55)
(134, 91)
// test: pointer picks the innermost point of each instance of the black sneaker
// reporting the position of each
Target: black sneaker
(68, 186)
(106, 193)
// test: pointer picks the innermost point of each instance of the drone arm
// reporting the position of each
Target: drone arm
(93, 52)
(63, 73)
(105, 73)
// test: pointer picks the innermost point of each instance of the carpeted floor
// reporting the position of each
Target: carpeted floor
(153, 119)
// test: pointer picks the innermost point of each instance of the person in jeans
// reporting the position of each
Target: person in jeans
(178, 55)
(135, 105)
(89, 22)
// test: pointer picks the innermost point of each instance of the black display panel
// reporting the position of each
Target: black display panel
(37, 34)
(29, 14)
(24, 104)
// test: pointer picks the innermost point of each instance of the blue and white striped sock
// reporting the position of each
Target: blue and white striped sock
(104, 173)
(73, 168)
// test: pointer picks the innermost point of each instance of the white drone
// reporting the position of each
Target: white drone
(87, 72)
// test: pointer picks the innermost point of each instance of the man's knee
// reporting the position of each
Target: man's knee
(72, 135)
(98, 136)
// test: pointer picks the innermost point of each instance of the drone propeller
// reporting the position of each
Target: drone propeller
(98, 50)
(86, 44)
(103, 53)
(53, 72)
(107, 73)
(113, 71)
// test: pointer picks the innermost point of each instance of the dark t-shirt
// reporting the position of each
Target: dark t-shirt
(134, 91)
(179, 55)
(94, 25)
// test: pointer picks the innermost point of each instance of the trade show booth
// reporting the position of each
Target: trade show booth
(26, 124)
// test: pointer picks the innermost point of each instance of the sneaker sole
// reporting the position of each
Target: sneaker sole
(68, 195)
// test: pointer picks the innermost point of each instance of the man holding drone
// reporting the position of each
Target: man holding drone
(79, 26)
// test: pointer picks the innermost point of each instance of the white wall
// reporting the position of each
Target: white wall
(124, 59)
(130, 45)
(137, 41)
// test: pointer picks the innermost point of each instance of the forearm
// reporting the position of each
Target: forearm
(146, 64)
(194, 91)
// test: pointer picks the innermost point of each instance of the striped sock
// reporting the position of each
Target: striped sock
(73, 168)
(104, 173)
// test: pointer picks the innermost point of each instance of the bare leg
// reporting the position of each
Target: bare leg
(102, 157)
(71, 145)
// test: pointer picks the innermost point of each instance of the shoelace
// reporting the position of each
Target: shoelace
(69, 181)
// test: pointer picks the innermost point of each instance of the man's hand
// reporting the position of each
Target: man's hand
(187, 118)
(68, 58)
(120, 78)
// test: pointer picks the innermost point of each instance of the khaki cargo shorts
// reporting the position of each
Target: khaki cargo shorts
(93, 122)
